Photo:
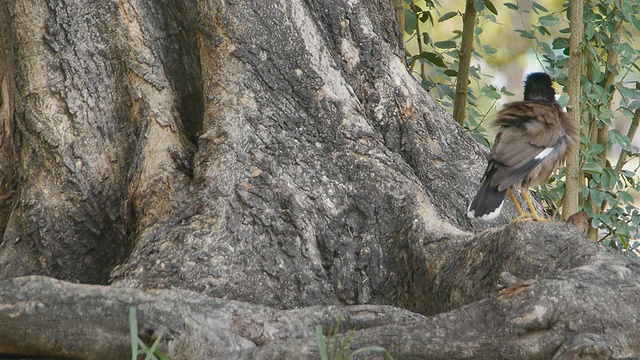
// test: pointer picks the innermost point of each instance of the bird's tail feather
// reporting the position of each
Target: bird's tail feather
(487, 203)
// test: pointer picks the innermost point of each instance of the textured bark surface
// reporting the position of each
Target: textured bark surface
(553, 310)
(241, 171)
(71, 134)
(312, 182)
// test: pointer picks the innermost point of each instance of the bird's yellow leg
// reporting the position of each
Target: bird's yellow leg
(534, 214)
(524, 216)
(515, 203)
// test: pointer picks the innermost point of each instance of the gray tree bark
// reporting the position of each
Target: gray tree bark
(242, 171)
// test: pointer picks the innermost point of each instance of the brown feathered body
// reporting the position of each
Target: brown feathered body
(527, 129)
(534, 136)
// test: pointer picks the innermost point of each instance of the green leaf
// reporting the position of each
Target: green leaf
(548, 20)
(589, 30)
(617, 138)
(605, 115)
(537, 7)
(588, 209)
(491, 92)
(410, 21)
(608, 178)
(592, 167)
(626, 112)
(526, 34)
(478, 5)
(448, 44)
(511, 6)
(451, 72)
(445, 91)
(433, 58)
(543, 30)
(596, 196)
(491, 7)
(627, 173)
(547, 49)
(597, 74)
(415, 7)
(628, 93)
(625, 197)
(560, 43)
(426, 38)
(505, 92)
(604, 219)
(593, 149)
(448, 16)
(489, 50)
(426, 15)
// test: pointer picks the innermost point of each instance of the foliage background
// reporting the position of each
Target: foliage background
(514, 38)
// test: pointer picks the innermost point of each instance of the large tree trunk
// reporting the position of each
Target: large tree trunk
(241, 170)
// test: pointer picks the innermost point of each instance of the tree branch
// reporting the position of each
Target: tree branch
(570, 204)
(464, 61)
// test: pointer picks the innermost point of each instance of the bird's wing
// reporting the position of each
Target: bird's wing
(528, 133)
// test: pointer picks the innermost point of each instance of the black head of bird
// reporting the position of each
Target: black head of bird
(539, 87)
(533, 137)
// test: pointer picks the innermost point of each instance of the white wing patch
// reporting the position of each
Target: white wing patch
(544, 153)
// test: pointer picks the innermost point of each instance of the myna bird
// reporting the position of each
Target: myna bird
(534, 136)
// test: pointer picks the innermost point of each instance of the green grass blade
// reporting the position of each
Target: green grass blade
(332, 341)
(152, 350)
(377, 349)
(322, 349)
(162, 356)
(133, 333)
